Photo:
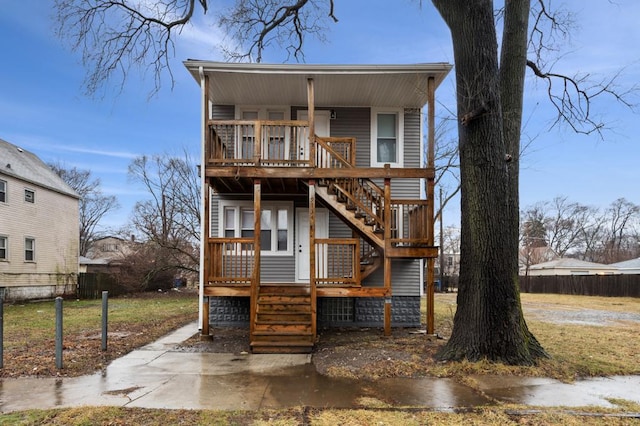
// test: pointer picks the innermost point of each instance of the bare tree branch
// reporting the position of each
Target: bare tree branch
(115, 35)
(571, 95)
(170, 218)
(93, 205)
(255, 25)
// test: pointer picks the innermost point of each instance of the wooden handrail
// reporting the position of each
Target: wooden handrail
(231, 261)
(324, 142)
(338, 261)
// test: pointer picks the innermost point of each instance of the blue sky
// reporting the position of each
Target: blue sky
(43, 108)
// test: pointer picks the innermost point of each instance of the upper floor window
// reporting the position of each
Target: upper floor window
(387, 129)
(3, 248)
(109, 247)
(3, 191)
(276, 223)
(29, 196)
(29, 249)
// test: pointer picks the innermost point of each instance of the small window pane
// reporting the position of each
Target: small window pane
(283, 235)
(3, 248)
(387, 151)
(246, 220)
(265, 219)
(265, 239)
(3, 191)
(246, 233)
(386, 125)
(29, 249)
(282, 219)
(229, 218)
(282, 240)
(29, 196)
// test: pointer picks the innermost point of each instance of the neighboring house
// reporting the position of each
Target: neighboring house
(568, 266)
(628, 266)
(88, 265)
(111, 248)
(528, 256)
(311, 183)
(450, 263)
(39, 232)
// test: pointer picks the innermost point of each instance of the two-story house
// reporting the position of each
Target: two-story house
(312, 183)
(39, 232)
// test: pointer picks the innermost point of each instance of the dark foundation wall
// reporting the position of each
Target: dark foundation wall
(332, 311)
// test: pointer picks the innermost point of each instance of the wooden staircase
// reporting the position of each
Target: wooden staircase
(283, 320)
(362, 213)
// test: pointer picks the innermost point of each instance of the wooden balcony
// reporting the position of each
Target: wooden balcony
(274, 144)
(231, 263)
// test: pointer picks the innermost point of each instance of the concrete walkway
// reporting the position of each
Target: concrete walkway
(156, 376)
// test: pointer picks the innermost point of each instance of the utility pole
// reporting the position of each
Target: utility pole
(441, 243)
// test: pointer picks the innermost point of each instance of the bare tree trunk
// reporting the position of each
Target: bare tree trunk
(489, 322)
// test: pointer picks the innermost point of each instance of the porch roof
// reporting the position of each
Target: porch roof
(335, 85)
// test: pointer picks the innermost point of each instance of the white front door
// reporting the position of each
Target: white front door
(302, 239)
(322, 128)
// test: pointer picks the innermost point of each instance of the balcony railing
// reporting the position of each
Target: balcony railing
(274, 144)
(337, 262)
(231, 261)
(410, 224)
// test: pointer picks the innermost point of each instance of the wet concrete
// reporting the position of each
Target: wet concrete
(549, 392)
(158, 377)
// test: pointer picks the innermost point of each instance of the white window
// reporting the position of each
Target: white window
(4, 255)
(29, 249)
(276, 222)
(387, 129)
(29, 196)
(3, 191)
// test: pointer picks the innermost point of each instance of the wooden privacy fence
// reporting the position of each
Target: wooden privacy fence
(624, 285)
(91, 285)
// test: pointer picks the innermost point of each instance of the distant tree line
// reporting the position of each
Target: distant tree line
(571, 229)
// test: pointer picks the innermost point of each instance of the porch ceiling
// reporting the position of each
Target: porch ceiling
(335, 85)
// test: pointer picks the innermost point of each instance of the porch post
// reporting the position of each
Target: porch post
(312, 255)
(312, 121)
(205, 255)
(430, 207)
(387, 259)
(206, 261)
(255, 281)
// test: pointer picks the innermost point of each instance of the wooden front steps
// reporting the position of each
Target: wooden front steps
(283, 320)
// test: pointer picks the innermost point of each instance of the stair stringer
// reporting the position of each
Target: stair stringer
(349, 218)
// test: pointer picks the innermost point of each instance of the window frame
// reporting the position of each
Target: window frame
(33, 196)
(238, 206)
(4, 248)
(4, 191)
(399, 113)
(32, 249)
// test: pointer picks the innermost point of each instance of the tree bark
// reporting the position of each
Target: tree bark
(489, 322)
